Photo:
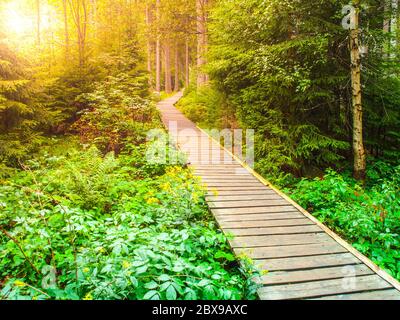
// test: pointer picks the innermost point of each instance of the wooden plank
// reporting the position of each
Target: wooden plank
(229, 179)
(322, 288)
(279, 240)
(272, 209)
(210, 154)
(309, 262)
(286, 277)
(291, 251)
(229, 176)
(222, 172)
(220, 167)
(235, 188)
(388, 294)
(266, 223)
(243, 197)
(274, 230)
(247, 204)
(228, 184)
(263, 191)
(258, 216)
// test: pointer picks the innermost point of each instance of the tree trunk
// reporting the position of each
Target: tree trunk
(201, 41)
(66, 31)
(158, 50)
(167, 66)
(38, 20)
(393, 22)
(176, 80)
(149, 60)
(358, 142)
(80, 16)
(187, 64)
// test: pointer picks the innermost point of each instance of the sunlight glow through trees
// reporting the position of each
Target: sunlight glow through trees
(19, 18)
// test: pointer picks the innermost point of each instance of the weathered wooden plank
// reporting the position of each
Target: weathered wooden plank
(211, 154)
(287, 277)
(230, 175)
(206, 159)
(222, 171)
(235, 188)
(280, 240)
(247, 204)
(272, 209)
(220, 167)
(322, 288)
(243, 197)
(231, 184)
(263, 191)
(309, 262)
(291, 251)
(258, 216)
(387, 294)
(274, 230)
(230, 179)
(212, 171)
(266, 223)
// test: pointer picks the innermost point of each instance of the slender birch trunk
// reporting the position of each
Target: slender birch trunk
(358, 142)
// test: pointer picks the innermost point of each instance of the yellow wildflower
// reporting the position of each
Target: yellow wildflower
(88, 296)
(86, 270)
(126, 264)
(165, 187)
(152, 201)
(19, 283)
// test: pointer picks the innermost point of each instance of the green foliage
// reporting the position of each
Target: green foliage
(111, 235)
(207, 107)
(282, 67)
(21, 118)
(368, 218)
(115, 113)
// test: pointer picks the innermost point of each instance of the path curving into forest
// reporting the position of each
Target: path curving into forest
(304, 259)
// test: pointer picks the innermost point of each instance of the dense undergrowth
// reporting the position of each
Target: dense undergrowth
(89, 218)
(111, 229)
(368, 217)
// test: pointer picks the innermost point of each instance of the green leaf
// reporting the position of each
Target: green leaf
(152, 295)
(151, 285)
(171, 293)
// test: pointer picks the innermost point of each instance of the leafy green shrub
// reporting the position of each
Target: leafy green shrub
(115, 114)
(368, 218)
(207, 107)
(22, 117)
(110, 232)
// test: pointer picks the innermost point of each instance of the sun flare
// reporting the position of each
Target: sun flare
(17, 22)
(20, 21)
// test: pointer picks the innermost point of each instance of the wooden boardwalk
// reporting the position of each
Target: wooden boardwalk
(304, 259)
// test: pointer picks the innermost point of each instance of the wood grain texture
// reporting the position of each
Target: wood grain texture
(323, 288)
(329, 273)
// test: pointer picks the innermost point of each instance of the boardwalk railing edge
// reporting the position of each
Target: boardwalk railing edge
(383, 274)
